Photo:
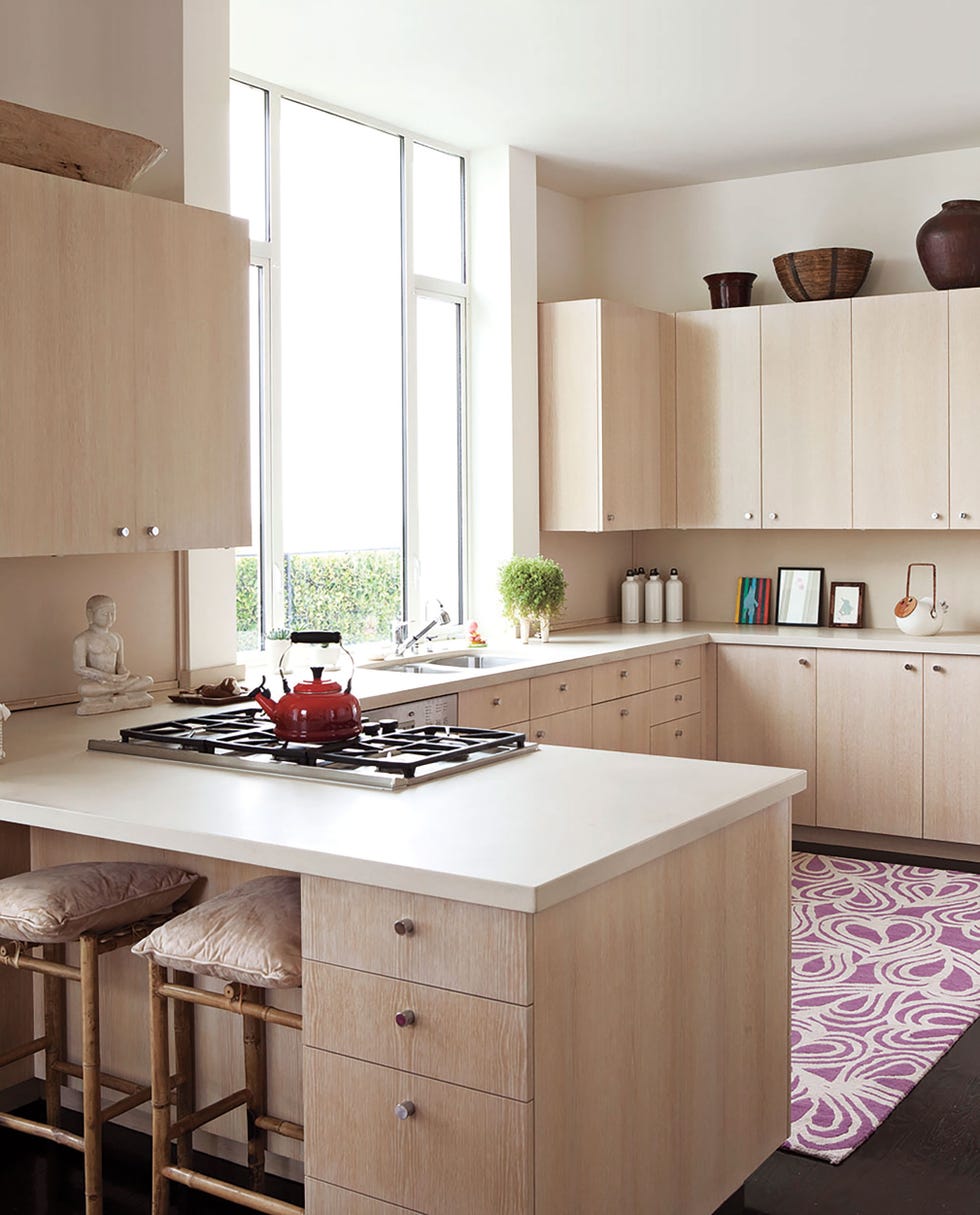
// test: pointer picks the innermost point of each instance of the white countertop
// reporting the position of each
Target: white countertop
(523, 834)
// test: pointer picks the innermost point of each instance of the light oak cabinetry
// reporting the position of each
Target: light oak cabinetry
(767, 712)
(606, 416)
(623, 724)
(502, 704)
(718, 421)
(964, 408)
(869, 741)
(545, 1099)
(124, 348)
(572, 728)
(951, 759)
(806, 415)
(900, 353)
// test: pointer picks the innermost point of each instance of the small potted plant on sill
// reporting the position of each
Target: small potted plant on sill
(532, 588)
(276, 644)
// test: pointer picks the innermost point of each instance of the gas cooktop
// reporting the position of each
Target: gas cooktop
(382, 756)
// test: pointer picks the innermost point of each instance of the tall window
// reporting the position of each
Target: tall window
(359, 310)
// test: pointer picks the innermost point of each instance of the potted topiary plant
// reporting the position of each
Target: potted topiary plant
(532, 588)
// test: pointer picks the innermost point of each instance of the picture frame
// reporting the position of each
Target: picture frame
(846, 609)
(799, 595)
(753, 602)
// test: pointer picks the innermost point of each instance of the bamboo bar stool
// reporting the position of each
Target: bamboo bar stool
(102, 906)
(250, 937)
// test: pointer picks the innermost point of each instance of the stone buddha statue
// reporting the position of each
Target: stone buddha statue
(97, 658)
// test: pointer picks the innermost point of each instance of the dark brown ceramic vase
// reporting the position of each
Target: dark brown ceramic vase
(731, 289)
(948, 245)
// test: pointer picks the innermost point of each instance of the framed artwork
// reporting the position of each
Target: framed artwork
(799, 592)
(847, 605)
(753, 604)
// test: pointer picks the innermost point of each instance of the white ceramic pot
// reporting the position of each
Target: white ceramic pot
(924, 621)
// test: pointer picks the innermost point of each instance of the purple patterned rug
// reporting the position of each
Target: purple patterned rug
(886, 976)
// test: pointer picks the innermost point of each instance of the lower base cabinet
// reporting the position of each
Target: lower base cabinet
(951, 757)
(389, 1133)
(767, 708)
(680, 738)
(869, 732)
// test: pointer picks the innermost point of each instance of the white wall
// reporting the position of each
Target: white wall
(653, 248)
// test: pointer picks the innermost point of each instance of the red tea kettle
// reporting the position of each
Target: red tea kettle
(316, 711)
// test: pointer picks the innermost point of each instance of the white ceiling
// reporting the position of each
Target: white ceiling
(622, 95)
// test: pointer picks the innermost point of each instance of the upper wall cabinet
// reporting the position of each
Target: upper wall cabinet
(901, 410)
(964, 408)
(606, 416)
(124, 355)
(718, 423)
(806, 415)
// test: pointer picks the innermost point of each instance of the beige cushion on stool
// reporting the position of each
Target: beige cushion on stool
(249, 935)
(59, 904)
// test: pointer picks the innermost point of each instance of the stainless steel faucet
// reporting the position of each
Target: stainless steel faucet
(403, 643)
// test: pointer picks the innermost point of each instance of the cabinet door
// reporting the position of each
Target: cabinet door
(901, 410)
(964, 408)
(680, 738)
(630, 353)
(622, 725)
(570, 729)
(951, 761)
(718, 418)
(191, 394)
(806, 415)
(767, 711)
(67, 434)
(499, 705)
(869, 741)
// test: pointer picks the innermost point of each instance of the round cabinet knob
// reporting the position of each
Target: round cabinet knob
(909, 666)
(153, 530)
(679, 696)
(624, 712)
(539, 733)
(964, 515)
(747, 515)
(496, 700)
(939, 669)
(678, 661)
(624, 674)
(678, 733)
(773, 515)
(405, 1017)
(122, 531)
(804, 662)
(936, 514)
(405, 1109)
(610, 518)
(404, 927)
(563, 687)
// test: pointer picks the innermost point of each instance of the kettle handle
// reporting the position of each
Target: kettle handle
(929, 565)
(315, 638)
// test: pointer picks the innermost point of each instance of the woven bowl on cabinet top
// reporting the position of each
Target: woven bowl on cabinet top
(822, 274)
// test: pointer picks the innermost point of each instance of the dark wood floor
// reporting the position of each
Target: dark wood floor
(42, 1179)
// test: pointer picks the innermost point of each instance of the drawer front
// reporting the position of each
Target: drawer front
(676, 666)
(484, 1044)
(622, 725)
(615, 679)
(500, 705)
(484, 951)
(680, 738)
(461, 1150)
(677, 700)
(323, 1199)
(558, 693)
(571, 729)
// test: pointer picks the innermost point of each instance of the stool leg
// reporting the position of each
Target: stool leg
(54, 1030)
(160, 1090)
(253, 1037)
(91, 1063)
(185, 1064)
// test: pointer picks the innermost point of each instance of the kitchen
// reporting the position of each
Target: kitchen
(585, 247)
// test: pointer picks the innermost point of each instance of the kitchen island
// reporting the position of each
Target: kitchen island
(599, 965)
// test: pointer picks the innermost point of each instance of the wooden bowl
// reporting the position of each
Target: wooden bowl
(822, 274)
(67, 147)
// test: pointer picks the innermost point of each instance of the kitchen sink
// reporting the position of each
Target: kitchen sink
(445, 664)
